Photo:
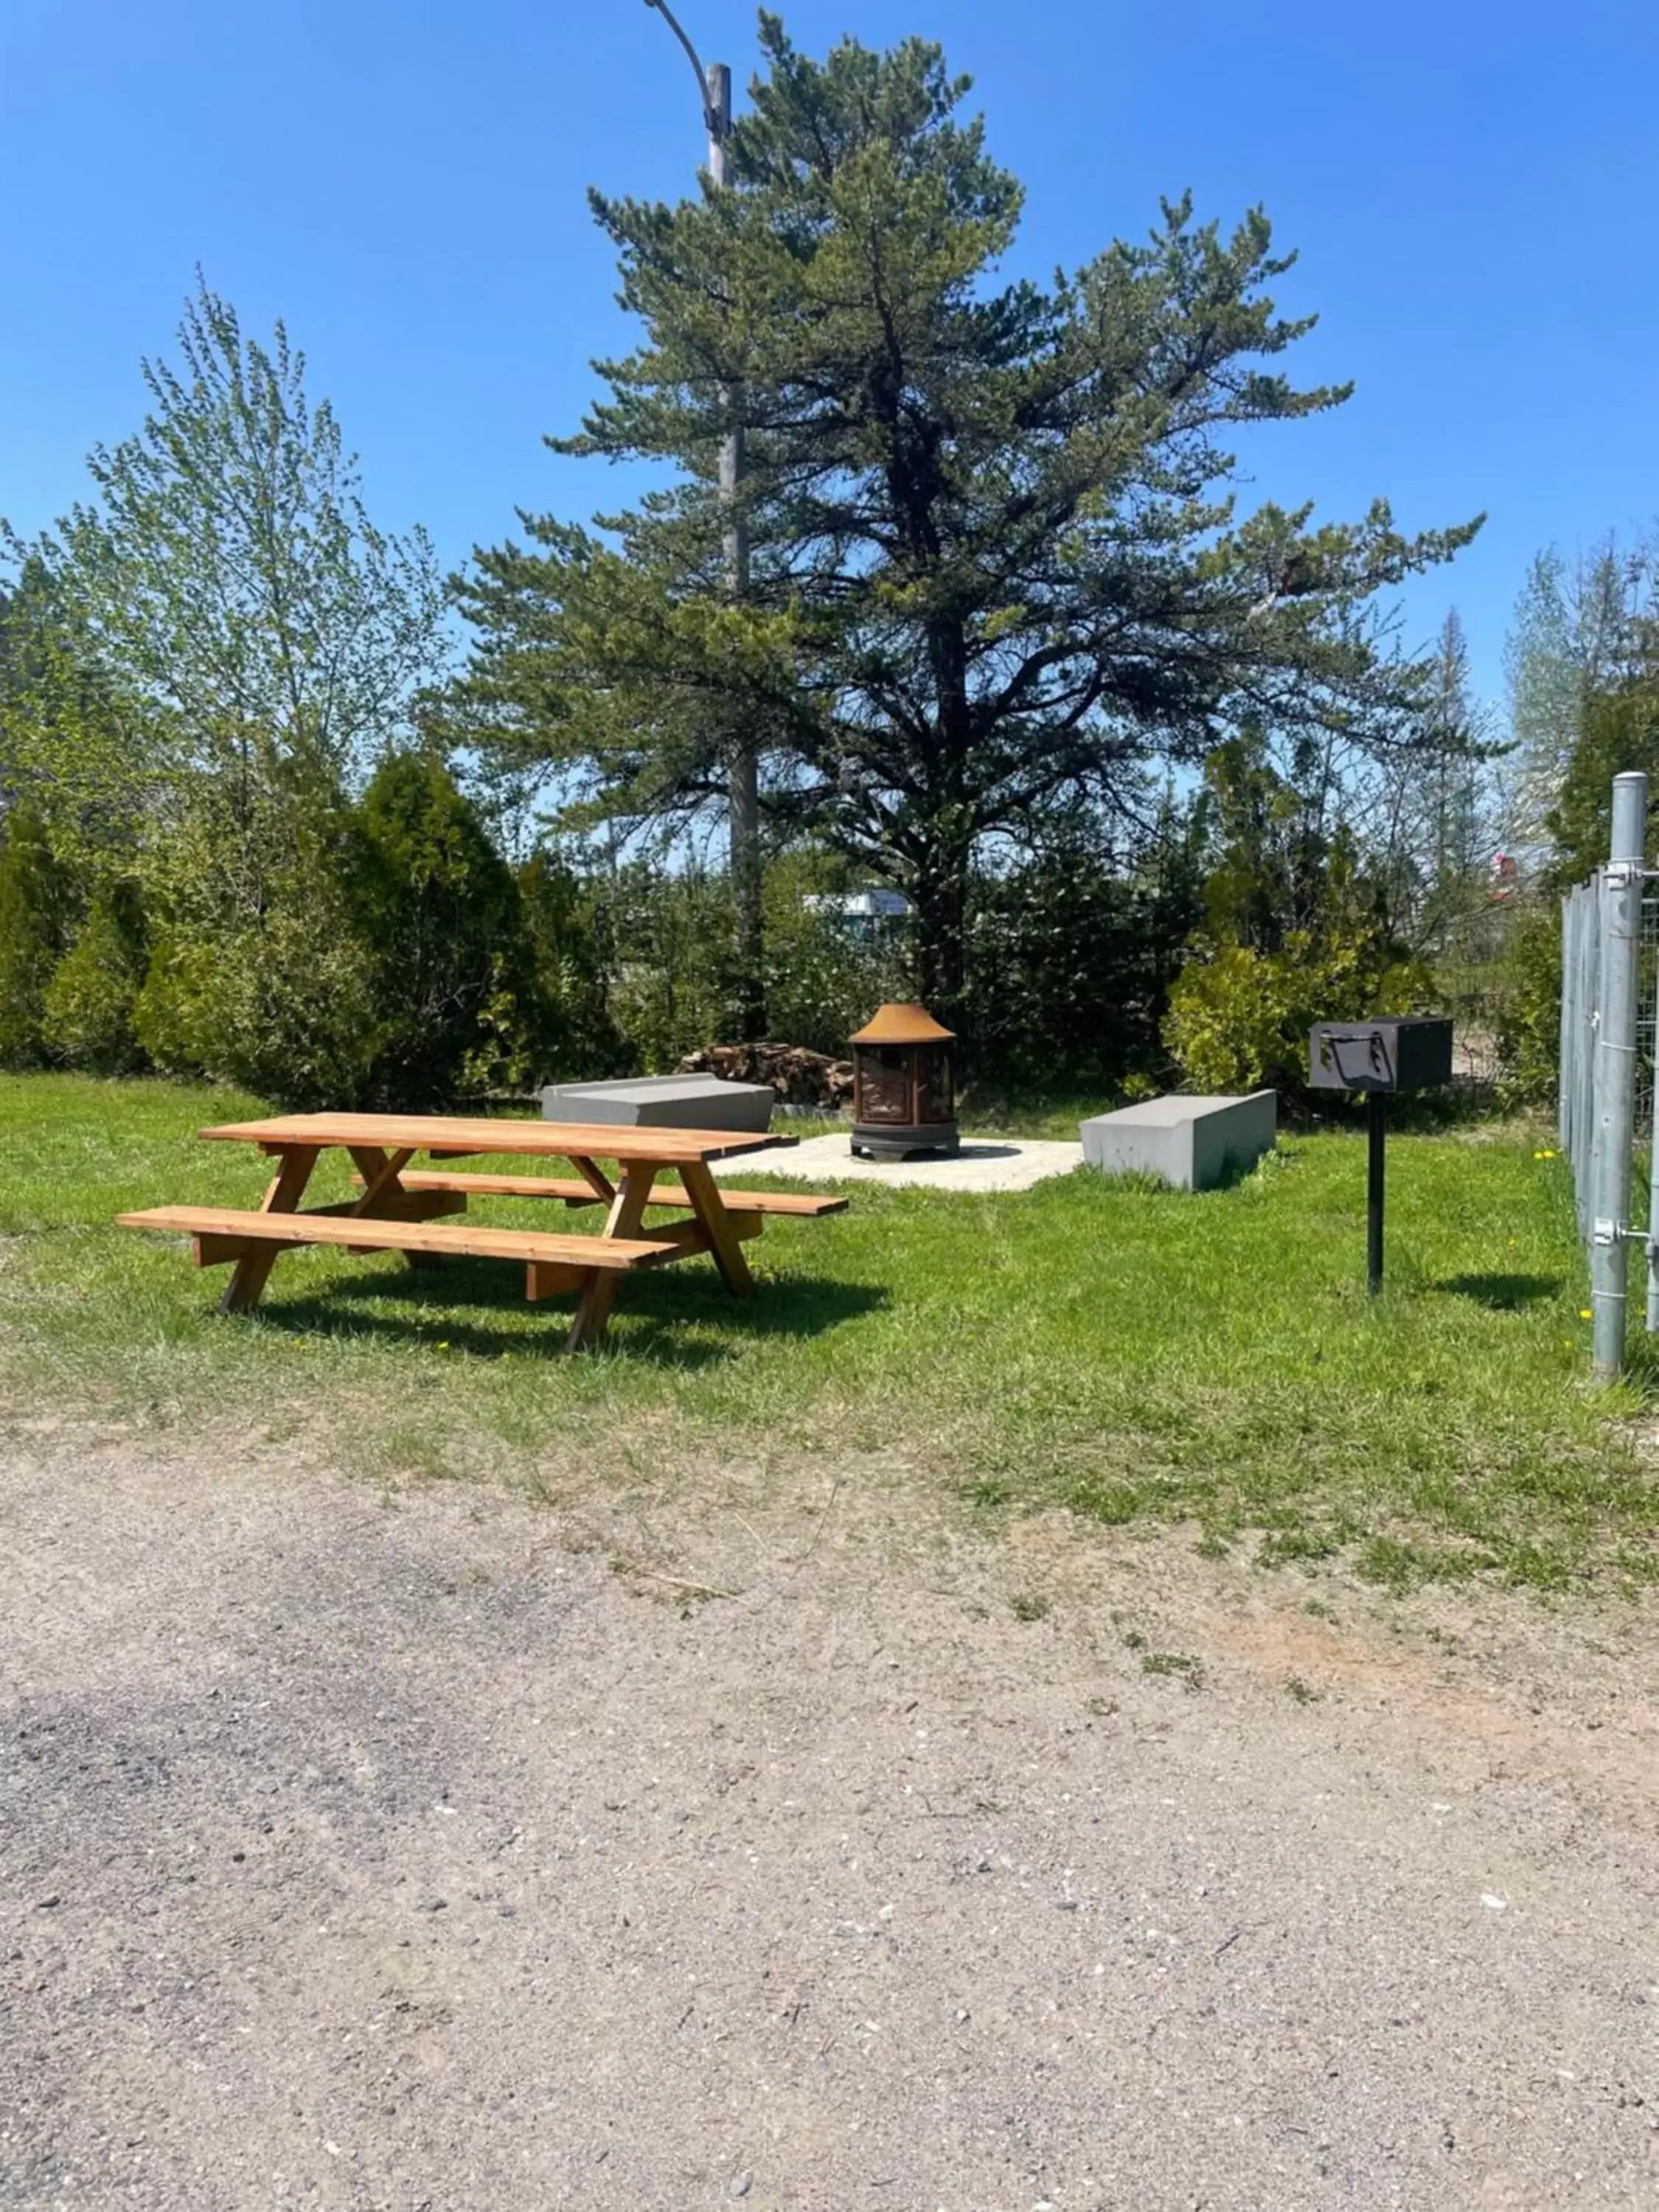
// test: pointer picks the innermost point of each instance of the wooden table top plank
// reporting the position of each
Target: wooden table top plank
(473, 1240)
(526, 1138)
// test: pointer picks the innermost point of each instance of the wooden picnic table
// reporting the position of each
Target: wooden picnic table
(398, 1211)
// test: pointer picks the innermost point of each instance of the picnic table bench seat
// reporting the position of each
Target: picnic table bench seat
(804, 1204)
(222, 1233)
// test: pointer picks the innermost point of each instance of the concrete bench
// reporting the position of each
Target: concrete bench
(1195, 1144)
(662, 1102)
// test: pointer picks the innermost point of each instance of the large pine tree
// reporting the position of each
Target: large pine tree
(998, 564)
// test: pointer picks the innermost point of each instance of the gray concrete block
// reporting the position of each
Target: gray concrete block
(1192, 1143)
(662, 1102)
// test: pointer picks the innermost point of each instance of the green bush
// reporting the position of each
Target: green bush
(1239, 1019)
(670, 935)
(1528, 1008)
(824, 978)
(438, 910)
(377, 956)
(569, 934)
(282, 1010)
(261, 980)
(37, 907)
(1070, 965)
(87, 1015)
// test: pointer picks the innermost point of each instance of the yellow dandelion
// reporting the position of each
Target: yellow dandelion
(1544, 1155)
(1586, 1314)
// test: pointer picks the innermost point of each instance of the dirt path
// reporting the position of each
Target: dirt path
(435, 1850)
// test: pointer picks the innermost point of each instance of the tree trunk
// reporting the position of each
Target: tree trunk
(748, 978)
(742, 760)
(939, 894)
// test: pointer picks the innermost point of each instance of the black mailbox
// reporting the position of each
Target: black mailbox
(1404, 1052)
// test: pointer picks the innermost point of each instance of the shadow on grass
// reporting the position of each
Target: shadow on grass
(649, 1322)
(1503, 1293)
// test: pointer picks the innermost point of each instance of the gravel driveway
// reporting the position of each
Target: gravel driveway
(428, 1849)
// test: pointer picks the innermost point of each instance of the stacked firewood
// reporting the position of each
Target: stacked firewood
(806, 1079)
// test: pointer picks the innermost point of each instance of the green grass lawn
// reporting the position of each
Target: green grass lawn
(1129, 1353)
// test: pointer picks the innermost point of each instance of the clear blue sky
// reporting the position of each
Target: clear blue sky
(1475, 189)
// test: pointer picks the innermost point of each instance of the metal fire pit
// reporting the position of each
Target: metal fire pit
(903, 1092)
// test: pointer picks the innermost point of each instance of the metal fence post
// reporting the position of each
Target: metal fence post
(1595, 970)
(1564, 1057)
(1589, 1030)
(1615, 1073)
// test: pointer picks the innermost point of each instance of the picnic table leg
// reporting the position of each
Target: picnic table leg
(627, 1212)
(382, 1174)
(596, 1179)
(250, 1274)
(716, 1223)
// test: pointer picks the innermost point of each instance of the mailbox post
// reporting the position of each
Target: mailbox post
(1400, 1053)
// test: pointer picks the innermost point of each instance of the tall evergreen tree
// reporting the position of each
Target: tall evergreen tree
(997, 559)
(1430, 821)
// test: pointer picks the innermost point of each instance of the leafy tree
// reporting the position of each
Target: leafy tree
(1579, 634)
(1297, 926)
(230, 582)
(823, 977)
(76, 748)
(1584, 664)
(1449, 819)
(230, 570)
(214, 655)
(1584, 698)
(997, 561)
(1272, 837)
(1432, 820)
(668, 929)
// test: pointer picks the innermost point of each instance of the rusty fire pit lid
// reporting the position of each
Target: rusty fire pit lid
(902, 1024)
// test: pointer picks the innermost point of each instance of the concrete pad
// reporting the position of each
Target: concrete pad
(983, 1163)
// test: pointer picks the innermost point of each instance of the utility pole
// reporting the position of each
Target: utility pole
(743, 771)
